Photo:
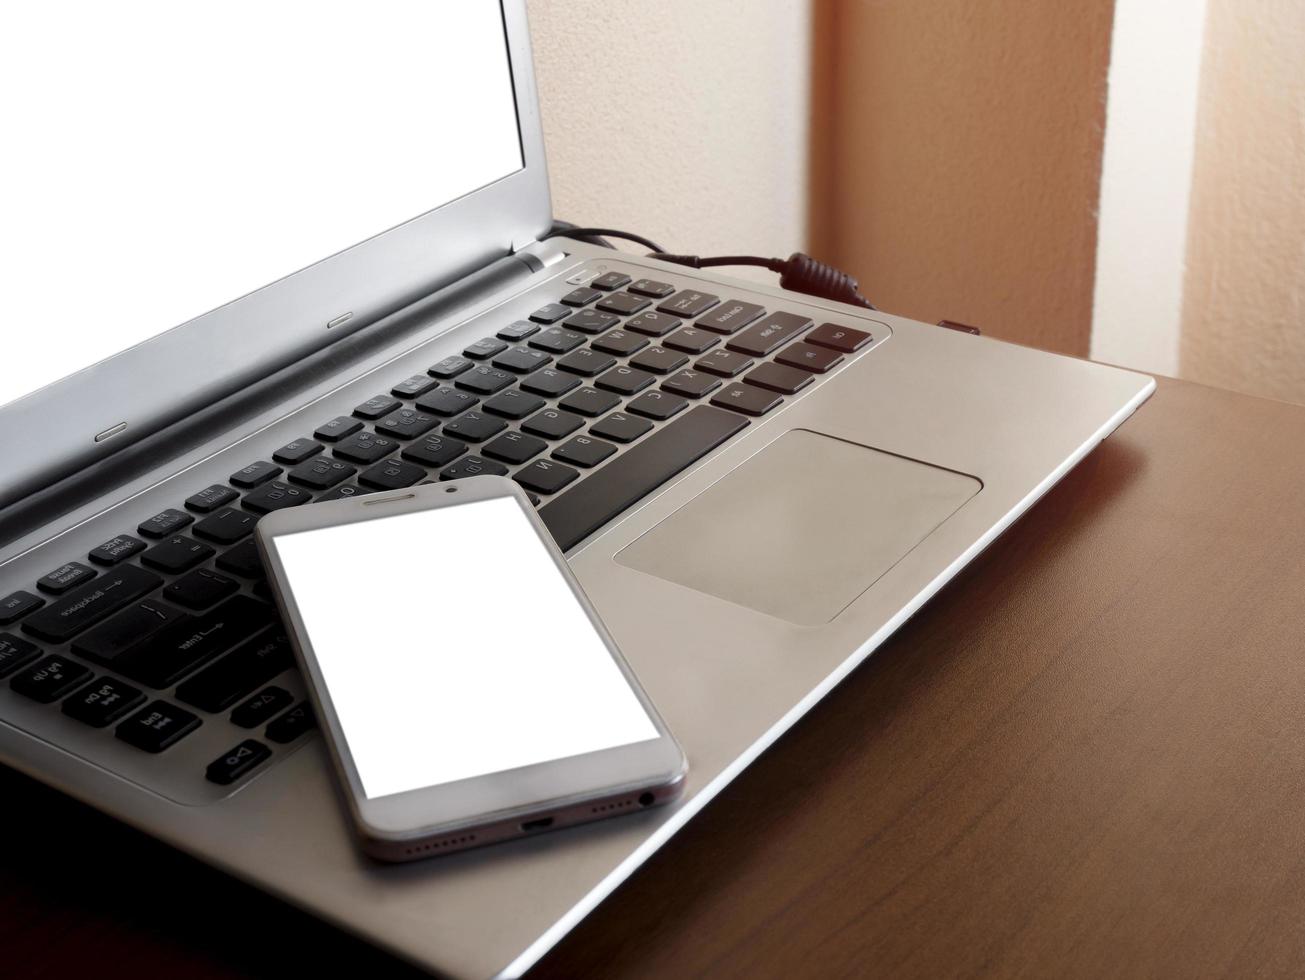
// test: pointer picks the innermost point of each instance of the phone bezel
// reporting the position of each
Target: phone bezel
(449, 807)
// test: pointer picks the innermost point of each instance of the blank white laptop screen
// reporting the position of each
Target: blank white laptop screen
(161, 159)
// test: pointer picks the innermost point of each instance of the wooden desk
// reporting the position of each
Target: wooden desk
(1085, 757)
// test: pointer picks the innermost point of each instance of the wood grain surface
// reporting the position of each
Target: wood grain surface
(1083, 758)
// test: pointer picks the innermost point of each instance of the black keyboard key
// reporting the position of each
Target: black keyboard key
(407, 423)
(249, 666)
(691, 340)
(624, 380)
(659, 360)
(845, 340)
(689, 303)
(557, 340)
(620, 427)
(393, 474)
(117, 549)
(413, 387)
(339, 493)
(514, 404)
(296, 451)
(177, 554)
(248, 477)
(747, 399)
(376, 406)
(584, 451)
(164, 523)
(625, 304)
(65, 577)
(211, 498)
(658, 405)
(261, 707)
(484, 348)
(321, 473)
(103, 702)
(275, 496)
(589, 401)
(691, 384)
(725, 363)
(474, 427)
(337, 428)
(292, 724)
(450, 367)
(653, 324)
(610, 280)
(545, 476)
(435, 451)
(637, 472)
(550, 382)
(447, 402)
(200, 589)
(515, 447)
(236, 762)
(85, 606)
(809, 357)
(15, 652)
(591, 321)
(242, 560)
(485, 380)
(622, 343)
(366, 447)
(550, 313)
(580, 296)
(552, 423)
(157, 726)
(774, 331)
(190, 642)
(16, 605)
(472, 466)
(522, 360)
(730, 317)
(226, 526)
(651, 287)
(50, 678)
(586, 362)
(518, 330)
(776, 377)
(126, 631)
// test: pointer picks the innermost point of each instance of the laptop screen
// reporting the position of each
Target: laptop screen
(162, 159)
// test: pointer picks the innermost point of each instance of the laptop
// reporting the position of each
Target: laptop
(754, 487)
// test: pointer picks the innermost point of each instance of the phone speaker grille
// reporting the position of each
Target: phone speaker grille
(613, 807)
(437, 845)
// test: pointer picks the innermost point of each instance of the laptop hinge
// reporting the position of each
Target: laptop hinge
(532, 252)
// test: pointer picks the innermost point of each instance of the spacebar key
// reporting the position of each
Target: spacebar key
(641, 469)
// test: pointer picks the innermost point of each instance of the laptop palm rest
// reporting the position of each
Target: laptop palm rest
(801, 528)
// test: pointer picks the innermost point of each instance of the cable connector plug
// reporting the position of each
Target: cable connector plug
(799, 273)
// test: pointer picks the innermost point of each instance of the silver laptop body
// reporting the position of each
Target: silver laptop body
(742, 587)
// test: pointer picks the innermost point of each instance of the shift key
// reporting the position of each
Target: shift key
(218, 687)
(86, 605)
(182, 647)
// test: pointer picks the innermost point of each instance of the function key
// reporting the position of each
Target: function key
(252, 475)
(689, 303)
(610, 280)
(16, 605)
(776, 377)
(809, 357)
(157, 726)
(746, 399)
(164, 523)
(211, 498)
(725, 363)
(393, 474)
(407, 423)
(659, 360)
(261, 707)
(774, 331)
(292, 724)
(623, 303)
(118, 549)
(237, 762)
(50, 678)
(413, 387)
(485, 347)
(200, 589)
(376, 406)
(447, 402)
(518, 330)
(298, 450)
(275, 496)
(550, 382)
(586, 361)
(691, 384)
(14, 652)
(730, 316)
(473, 466)
(522, 360)
(485, 380)
(624, 380)
(365, 447)
(619, 342)
(839, 338)
(103, 702)
(65, 577)
(652, 323)
(337, 428)
(584, 451)
(620, 427)
(321, 473)
(178, 553)
(450, 367)
(658, 405)
(590, 321)
(550, 313)
(545, 476)
(435, 451)
(557, 340)
(589, 401)
(581, 296)
(651, 287)
(691, 340)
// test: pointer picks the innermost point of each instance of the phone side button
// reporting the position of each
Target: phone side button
(233, 764)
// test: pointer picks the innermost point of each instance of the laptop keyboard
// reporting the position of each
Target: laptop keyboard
(591, 403)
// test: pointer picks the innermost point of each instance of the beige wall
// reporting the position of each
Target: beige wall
(1244, 301)
(683, 120)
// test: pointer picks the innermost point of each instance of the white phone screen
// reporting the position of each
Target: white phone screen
(451, 646)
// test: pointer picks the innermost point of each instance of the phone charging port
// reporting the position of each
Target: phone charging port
(539, 823)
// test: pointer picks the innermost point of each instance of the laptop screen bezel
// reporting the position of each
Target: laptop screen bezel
(102, 407)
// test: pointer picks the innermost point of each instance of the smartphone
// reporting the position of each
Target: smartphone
(466, 688)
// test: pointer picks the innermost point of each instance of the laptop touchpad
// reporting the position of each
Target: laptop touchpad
(802, 528)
